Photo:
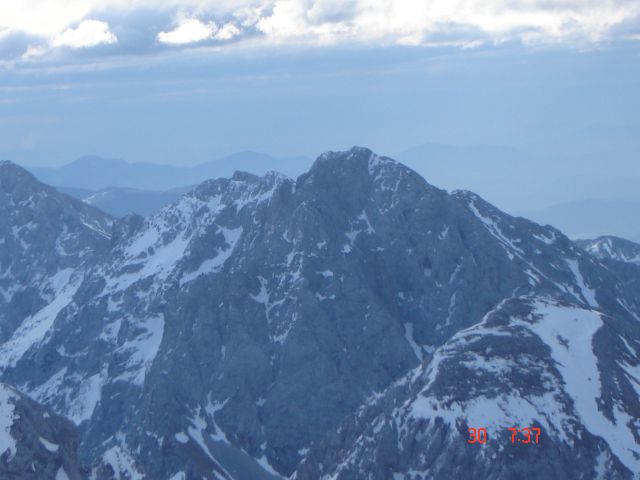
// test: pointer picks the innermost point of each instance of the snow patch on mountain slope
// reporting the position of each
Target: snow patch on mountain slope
(264, 297)
(47, 391)
(96, 227)
(231, 237)
(61, 474)
(163, 241)
(122, 464)
(615, 249)
(408, 334)
(80, 395)
(141, 350)
(493, 411)
(212, 408)
(497, 413)
(160, 263)
(492, 225)
(89, 392)
(545, 239)
(52, 447)
(198, 426)
(363, 218)
(34, 329)
(263, 461)
(197, 432)
(356, 228)
(110, 330)
(633, 374)
(259, 194)
(581, 290)
(569, 331)
(587, 293)
(263, 294)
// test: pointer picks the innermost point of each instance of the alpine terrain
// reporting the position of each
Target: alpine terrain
(352, 323)
(612, 248)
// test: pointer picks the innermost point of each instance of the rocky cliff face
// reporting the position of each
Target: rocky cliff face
(46, 241)
(232, 334)
(35, 443)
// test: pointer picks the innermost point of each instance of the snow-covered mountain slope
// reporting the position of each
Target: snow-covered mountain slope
(231, 332)
(612, 248)
(35, 444)
(532, 362)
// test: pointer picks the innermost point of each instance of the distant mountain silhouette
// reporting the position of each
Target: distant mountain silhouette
(97, 173)
(121, 201)
(521, 181)
(592, 217)
(482, 167)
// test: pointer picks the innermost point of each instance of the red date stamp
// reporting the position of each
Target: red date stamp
(527, 435)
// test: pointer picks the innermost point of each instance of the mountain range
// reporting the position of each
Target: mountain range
(122, 201)
(592, 218)
(352, 323)
(94, 173)
(570, 192)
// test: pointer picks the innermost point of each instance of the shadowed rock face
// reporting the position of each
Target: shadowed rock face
(34, 442)
(234, 332)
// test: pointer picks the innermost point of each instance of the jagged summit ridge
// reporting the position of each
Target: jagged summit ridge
(357, 163)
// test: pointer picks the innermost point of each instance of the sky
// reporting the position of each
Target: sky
(185, 81)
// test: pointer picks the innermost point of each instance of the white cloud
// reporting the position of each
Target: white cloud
(34, 51)
(418, 22)
(188, 30)
(294, 20)
(332, 10)
(227, 32)
(88, 33)
(287, 20)
(248, 16)
(460, 22)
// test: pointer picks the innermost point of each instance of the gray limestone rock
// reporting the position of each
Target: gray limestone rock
(234, 332)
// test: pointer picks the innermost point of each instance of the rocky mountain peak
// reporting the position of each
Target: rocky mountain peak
(15, 179)
(244, 176)
(357, 163)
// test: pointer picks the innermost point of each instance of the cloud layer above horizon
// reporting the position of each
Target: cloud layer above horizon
(33, 30)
